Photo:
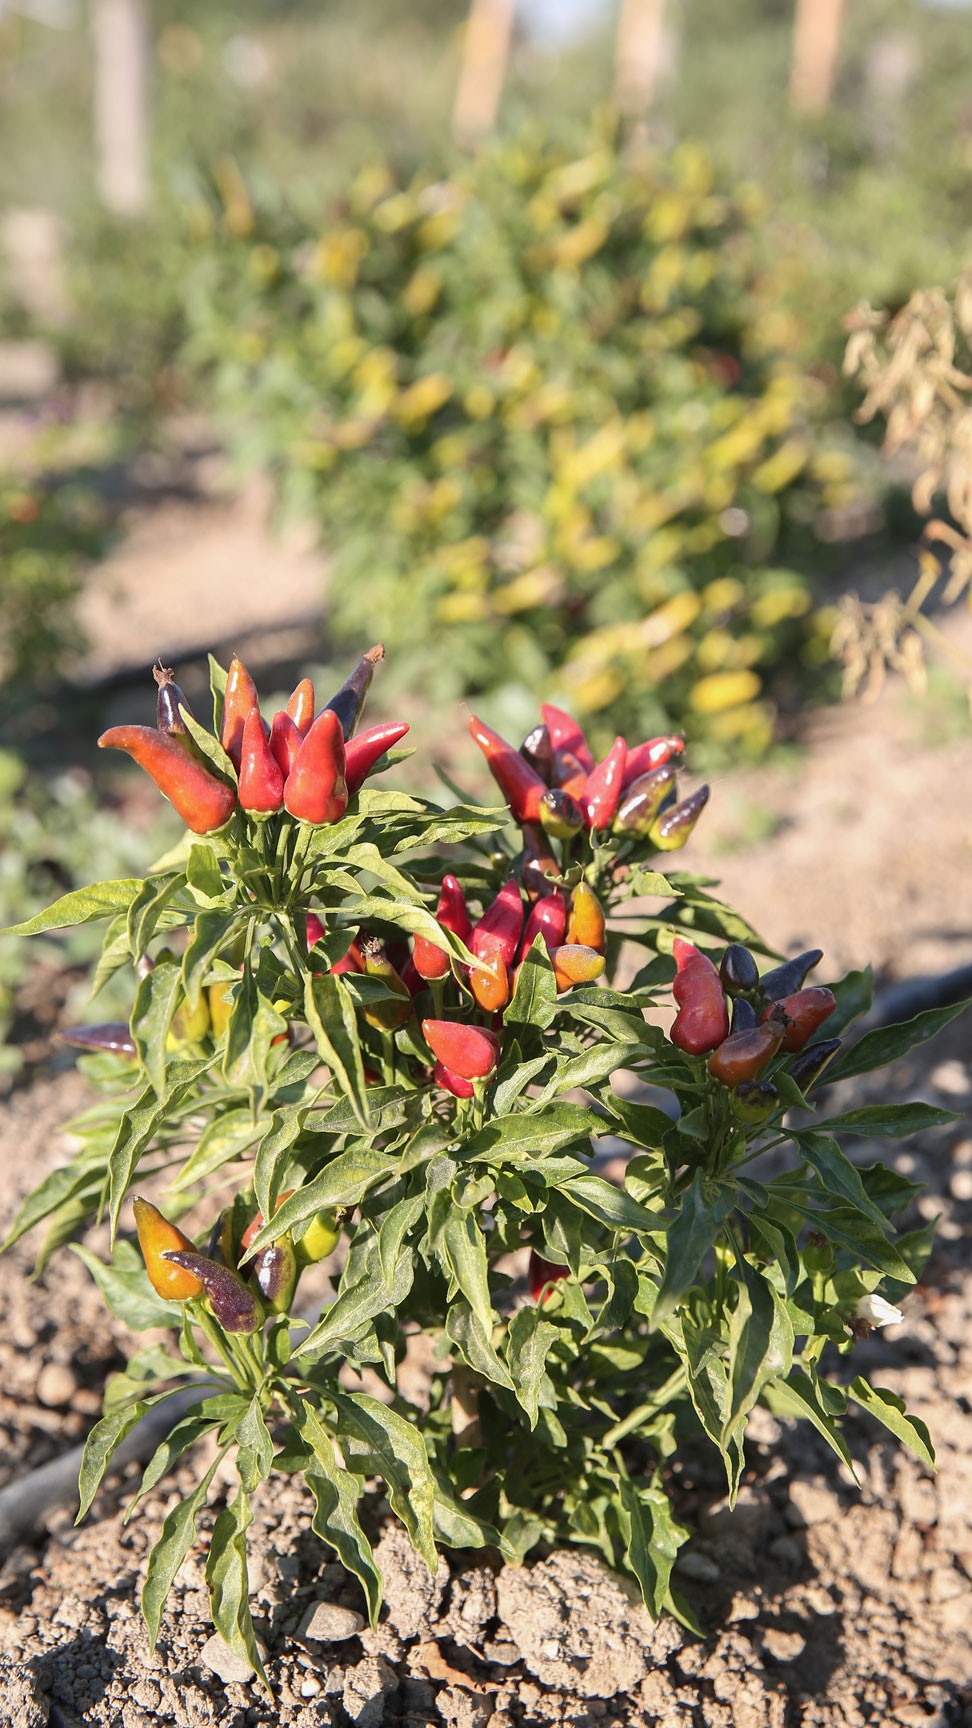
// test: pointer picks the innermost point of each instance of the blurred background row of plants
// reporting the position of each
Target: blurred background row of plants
(564, 405)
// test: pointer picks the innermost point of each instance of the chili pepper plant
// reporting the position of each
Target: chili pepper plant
(406, 1036)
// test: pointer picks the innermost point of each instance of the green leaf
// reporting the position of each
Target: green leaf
(239, 1026)
(696, 1225)
(400, 1458)
(58, 1189)
(204, 879)
(343, 1182)
(150, 909)
(850, 1229)
(178, 1535)
(155, 1003)
(229, 1589)
(854, 994)
(889, 1121)
(886, 1407)
(534, 999)
(255, 1459)
(81, 906)
(139, 1126)
(464, 1251)
(457, 1525)
(336, 1494)
(597, 1063)
(331, 1018)
(707, 1374)
(223, 1139)
(799, 1395)
(760, 1345)
(887, 1043)
(609, 1205)
(474, 1342)
(99, 1448)
(643, 1124)
(515, 1077)
(651, 1540)
(193, 1426)
(126, 1289)
(360, 1299)
(837, 1174)
(529, 1340)
(509, 1138)
(210, 747)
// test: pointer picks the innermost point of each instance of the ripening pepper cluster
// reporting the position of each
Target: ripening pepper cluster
(570, 922)
(553, 782)
(240, 1293)
(308, 764)
(771, 1014)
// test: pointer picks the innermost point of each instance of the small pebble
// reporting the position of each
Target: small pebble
(329, 1623)
(217, 1656)
(952, 1078)
(783, 1646)
(310, 1687)
(960, 1187)
(56, 1384)
(697, 1565)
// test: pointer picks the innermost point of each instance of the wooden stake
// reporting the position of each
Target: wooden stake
(816, 40)
(639, 54)
(120, 35)
(485, 57)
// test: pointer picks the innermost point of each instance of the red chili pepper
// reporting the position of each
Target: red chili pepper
(316, 790)
(586, 923)
(155, 1236)
(569, 774)
(744, 1055)
(351, 961)
(546, 918)
(603, 788)
(239, 697)
(431, 961)
(411, 977)
(497, 935)
(170, 700)
(541, 1274)
(453, 1083)
(642, 758)
(364, 751)
(702, 1021)
(801, 1014)
(575, 964)
(315, 930)
(672, 828)
(490, 984)
(469, 1051)
(261, 786)
(203, 802)
(348, 702)
(300, 708)
(566, 734)
(285, 741)
(520, 784)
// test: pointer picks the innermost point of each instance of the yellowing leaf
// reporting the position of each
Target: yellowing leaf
(723, 690)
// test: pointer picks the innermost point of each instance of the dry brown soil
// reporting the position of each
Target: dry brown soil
(830, 1603)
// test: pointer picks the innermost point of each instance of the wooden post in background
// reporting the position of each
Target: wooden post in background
(639, 54)
(120, 36)
(816, 39)
(485, 57)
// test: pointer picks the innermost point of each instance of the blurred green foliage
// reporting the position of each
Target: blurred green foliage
(546, 422)
(56, 836)
(50, 525)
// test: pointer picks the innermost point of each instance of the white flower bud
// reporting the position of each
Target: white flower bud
(877, 1312)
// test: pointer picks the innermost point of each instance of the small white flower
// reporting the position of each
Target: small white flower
(877, 1312)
